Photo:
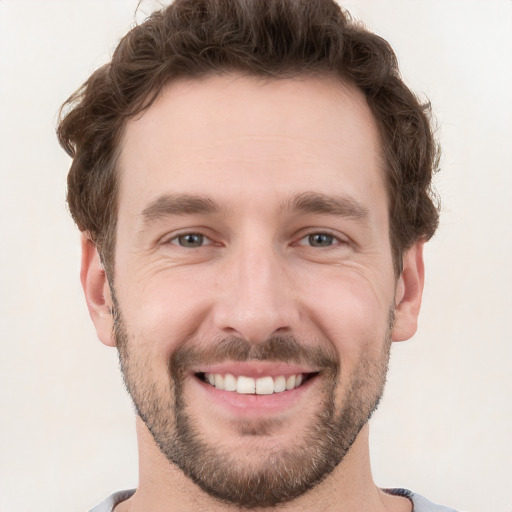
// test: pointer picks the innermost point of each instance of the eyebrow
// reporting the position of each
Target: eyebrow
(178, 204)
(306, 202)
(318, 203)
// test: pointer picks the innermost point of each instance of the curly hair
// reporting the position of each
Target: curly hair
(267, 38)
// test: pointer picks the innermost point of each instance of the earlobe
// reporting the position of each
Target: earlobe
(97, 292)
(409, 291)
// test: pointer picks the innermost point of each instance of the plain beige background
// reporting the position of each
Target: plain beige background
(444, 428)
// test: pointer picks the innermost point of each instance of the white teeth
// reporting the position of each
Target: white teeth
(219, 381)
(249, 386)
(265, 386)
(245, 385)
(279, 384)
(229, 382)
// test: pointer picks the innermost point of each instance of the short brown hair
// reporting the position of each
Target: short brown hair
(268, 38)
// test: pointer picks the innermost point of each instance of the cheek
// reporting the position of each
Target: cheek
(352, 316)
(351, 313)
(162, 310)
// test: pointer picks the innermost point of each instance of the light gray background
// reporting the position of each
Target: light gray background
(444, 428)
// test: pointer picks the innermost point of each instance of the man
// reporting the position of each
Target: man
(252, 181)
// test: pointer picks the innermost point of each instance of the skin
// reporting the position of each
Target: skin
(249, 146)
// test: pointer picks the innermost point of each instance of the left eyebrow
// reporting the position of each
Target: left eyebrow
(318, 203)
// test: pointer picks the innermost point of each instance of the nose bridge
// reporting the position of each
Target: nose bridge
(258, 299)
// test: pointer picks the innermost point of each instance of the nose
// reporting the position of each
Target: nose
(257, 297)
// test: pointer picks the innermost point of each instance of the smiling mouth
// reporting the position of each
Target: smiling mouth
(265, 385)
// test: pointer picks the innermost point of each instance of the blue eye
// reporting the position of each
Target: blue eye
(320, 240)
(189, 240)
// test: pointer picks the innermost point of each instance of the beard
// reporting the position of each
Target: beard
(275, 474)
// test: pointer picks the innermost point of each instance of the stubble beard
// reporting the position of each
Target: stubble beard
(277, 475)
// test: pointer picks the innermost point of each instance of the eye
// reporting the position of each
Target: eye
(320, 240)
(190, 240)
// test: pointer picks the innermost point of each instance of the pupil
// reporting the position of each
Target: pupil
(191, 240)
(320, 240)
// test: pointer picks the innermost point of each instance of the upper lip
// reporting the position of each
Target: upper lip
(255, 369)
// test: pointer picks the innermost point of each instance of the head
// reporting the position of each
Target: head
(255, 178)
(277, 39)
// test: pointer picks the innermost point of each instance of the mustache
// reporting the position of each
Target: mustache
(285, 349)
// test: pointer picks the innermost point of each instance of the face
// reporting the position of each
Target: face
(254, 291)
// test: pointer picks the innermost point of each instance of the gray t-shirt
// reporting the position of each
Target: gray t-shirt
(420, 503)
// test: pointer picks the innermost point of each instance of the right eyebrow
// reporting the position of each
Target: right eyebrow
(178, 204)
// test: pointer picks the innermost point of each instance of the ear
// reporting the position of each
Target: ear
(409, 291)
(97, 292)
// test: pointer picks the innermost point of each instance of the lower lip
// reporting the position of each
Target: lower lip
(256, 405)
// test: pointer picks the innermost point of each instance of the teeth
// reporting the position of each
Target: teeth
(229, 382)
(265, 386)
(245, 385)
(219, 381)
(250, 386)
(279, 384)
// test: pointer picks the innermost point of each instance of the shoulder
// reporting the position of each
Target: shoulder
(420, 503)
(108, 504)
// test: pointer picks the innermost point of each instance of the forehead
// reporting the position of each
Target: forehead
(283, 136)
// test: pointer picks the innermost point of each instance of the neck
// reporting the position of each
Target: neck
(163, 486)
